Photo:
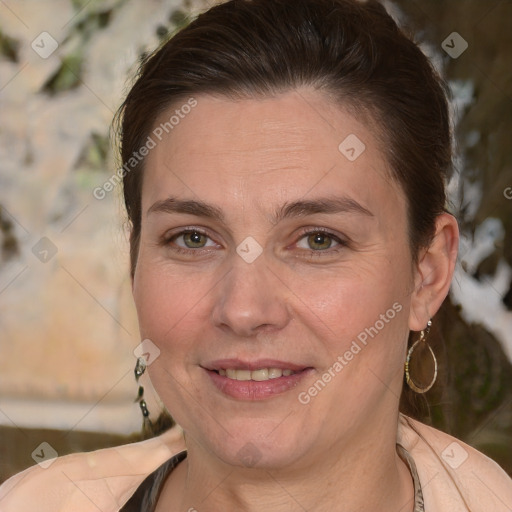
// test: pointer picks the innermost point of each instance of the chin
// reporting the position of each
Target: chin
(255, 455)
(255, 444)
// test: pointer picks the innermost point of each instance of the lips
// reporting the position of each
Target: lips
(255, 380)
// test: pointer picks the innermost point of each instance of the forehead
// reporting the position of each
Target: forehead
(288, 146)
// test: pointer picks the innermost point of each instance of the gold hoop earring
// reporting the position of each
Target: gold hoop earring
(423, 344)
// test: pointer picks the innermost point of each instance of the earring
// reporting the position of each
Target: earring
(421, 345)
(140, 368)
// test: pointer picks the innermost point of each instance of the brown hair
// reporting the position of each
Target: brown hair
(352, 51)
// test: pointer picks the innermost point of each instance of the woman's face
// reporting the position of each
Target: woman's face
(273, 240)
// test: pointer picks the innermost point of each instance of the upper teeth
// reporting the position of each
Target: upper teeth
(258, 375)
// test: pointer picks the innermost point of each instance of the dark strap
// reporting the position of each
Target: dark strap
(147, 494)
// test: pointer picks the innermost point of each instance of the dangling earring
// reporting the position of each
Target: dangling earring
(140, 368)
(422, 345)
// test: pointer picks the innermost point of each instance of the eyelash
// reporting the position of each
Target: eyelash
(304, 233)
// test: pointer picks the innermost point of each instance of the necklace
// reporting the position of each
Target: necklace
(419, 505)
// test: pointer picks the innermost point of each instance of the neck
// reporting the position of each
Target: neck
(370, 477)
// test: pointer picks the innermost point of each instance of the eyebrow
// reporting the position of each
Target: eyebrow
(300, 208)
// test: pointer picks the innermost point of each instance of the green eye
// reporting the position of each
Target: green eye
(319, 241)
(190, 239)
(194, 239)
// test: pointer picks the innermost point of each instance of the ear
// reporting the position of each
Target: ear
(434, 272)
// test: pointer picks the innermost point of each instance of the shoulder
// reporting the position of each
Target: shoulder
(100, 480)
(454, 476)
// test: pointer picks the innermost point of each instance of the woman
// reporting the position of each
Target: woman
(284, 165)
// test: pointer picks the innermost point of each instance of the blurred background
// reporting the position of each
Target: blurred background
(67, 323)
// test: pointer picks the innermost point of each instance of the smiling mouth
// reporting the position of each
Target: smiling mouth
(259, 375)
(255, 380)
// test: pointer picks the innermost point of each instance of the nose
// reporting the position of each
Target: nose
(251, 299)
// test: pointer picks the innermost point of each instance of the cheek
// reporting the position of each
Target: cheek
(362, 317)
(169, 304)
(170, 310)
(361, 325)
(349, 299)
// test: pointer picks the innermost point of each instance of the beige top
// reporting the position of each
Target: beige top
(453, 476)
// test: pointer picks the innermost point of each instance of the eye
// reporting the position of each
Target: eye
(319, 240)
(191, 239)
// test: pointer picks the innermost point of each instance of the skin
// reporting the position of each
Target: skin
(298, 301)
